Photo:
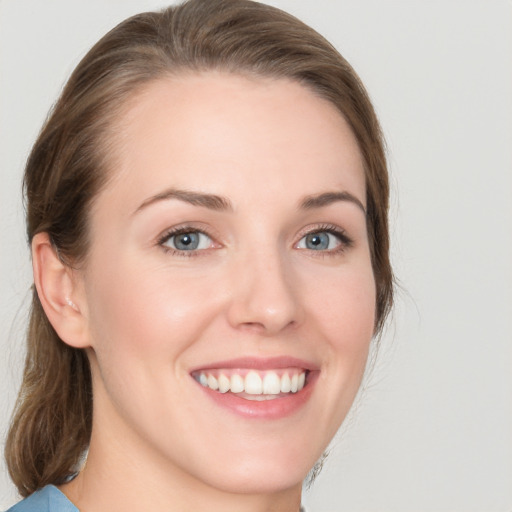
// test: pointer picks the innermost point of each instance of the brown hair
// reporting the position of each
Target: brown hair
(68, 165)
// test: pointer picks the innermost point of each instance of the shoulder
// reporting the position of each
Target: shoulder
(47, 499)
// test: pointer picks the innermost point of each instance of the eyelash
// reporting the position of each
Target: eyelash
(180, 230)
(345, 242)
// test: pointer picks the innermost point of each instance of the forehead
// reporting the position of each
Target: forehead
(217, 130)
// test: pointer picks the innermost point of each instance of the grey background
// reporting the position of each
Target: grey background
(432, 430)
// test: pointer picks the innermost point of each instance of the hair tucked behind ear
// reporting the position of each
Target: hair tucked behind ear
(71, 160)
(52, 426)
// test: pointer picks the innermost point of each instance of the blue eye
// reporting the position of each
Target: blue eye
(321, 241)
(187, 241)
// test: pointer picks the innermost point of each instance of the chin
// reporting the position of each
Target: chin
(251, 473)
(262, 481)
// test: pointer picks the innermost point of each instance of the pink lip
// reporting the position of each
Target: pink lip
(268, 409)
(258, 363)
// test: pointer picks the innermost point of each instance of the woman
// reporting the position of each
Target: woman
(207, 211)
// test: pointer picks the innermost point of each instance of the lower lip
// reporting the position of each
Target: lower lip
(266, 409)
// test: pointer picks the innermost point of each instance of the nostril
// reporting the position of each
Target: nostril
(252, 326)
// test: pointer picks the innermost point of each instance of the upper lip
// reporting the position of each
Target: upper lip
(259, 363)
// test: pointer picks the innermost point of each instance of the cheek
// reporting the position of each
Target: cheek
(144, 309)
(142, 321)
(344, 312)
(344, 305)
(353, 325)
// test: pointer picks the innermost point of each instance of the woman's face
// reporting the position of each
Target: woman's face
(228, 292)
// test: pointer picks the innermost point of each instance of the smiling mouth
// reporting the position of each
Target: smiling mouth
(253, 384)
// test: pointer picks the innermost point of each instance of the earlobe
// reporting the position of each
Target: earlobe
(59, 292)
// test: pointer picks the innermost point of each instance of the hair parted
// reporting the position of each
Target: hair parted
(69, 165)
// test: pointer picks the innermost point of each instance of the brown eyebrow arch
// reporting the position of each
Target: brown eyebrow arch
(327, 198)
(210, 201)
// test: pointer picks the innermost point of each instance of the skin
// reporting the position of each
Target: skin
(148, 316)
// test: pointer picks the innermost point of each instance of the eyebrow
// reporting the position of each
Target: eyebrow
(327, 198)
(210, 201)
(219, 203)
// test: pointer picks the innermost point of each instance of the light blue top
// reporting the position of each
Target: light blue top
(50, 499)
(47, 499)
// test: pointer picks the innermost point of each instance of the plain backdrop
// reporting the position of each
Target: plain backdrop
(432, 431)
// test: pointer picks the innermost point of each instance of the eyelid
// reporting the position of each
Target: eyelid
(186, 228)
(345, 241)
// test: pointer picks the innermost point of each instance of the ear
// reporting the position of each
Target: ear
(60, 292)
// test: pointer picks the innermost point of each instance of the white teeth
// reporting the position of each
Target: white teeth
(212, 382)
(237, 383)
(286, 383)
(271, 384)
(253, 384)
(295, 383)
(260, 398)
(224, 383)
(264, 385)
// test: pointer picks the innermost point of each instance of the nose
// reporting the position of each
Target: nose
(264, 298)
